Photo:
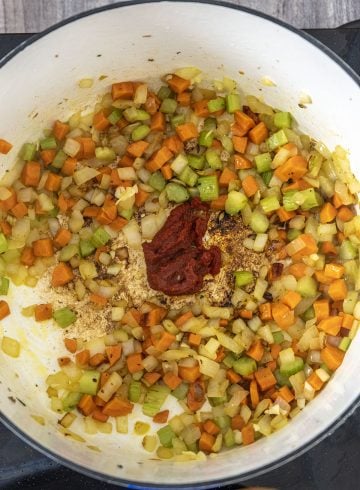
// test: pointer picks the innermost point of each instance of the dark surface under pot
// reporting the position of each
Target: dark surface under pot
(333, 464)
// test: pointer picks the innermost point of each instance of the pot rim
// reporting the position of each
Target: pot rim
(347, 412)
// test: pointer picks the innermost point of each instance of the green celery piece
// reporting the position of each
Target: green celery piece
(233, 103)
(278, 337)
(209, 124)
(325, 368)
(270, 204)
(259, 223)
(64, 317)
(281, 379)
(100, 237)
(289, 201)
(229, 360)
(345, 343)
(176, 192)
(68, 252)
(4, 286)
(235, 202)
(216, 401)
(208, 187)
(70, 401)
(28, 151)
(157, 181)
(166, 435)
(292, 234)
(164, 92)
(315, 162)
(206, 138)
(243, 278)
(292, 367)
(48, 143)
(263, 162)
(196, 162)
(282, 120)
(59, 159)
(154, 399)
(53, 212)
(181, 391)
(105, 153)
(277, 139)
(227, 143)
(229, 438)
(348, 250)
(115, 116)
(311, 199)
(178, 119)
(127, 213)
(309, 314)
(223, 421)
(86, 248)
(134, 391)
(89, 382)
(217, 104)
(267, 176)
(140, 132)
(188, 176)
(213, 159)
(3, 243)
(168, 106)
(307, 287)
(132, 114)
(245, 366)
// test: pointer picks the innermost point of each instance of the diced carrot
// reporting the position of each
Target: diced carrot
(291, 299)
(308, 246)
(87, 149)
(155, 316)
(43, 247)
(328, 248)
(298, 270)
(315, 381)
(237, 422)
(332, 357)
(347, 321)
(71, 345)
(98, 401)
(187, 131)
(321, 309)
(337, 290)
(63, 361)
(137, 148)
(86, 405)
(98, 300)
(211, 427)
(151, 378)
(282, 315)
(330, 325)
(232, 376)
(246, 314)
(62, 237)
(118, 223)
(178, 84)
(107, 214)
(60, 130)
(275, 350)
(126, 161)
(265, 378)
(196, 396)
(335, 271)
(216, 144)
(259, 133)
(184, 99)
(194, 339)
(240, 143)
(158, 122)
(189, 373)
(53, 182)
(201, 108)
(9, 203)
(183, 318)
(250, 185)
(134, 363)
(140, 197)
(132, 318)
(321, 278)
(206, 442)
(285, 215)
(256, 351)
(165, 341)
(254, 394)
(337, 201)
(122, 90)
(82, 357)
(174, 144)
(226, 177)
(265, 312)
(43, 312)
(286, 394)
(99, 416)
(5, 146)
(241, 162)
(294, 168)
(4, 309)
(159, 159)
(243, 122)
(27, 256)
(5, 228)
(113, 353)
(62, 274)
(47, 156)
(19, 210)
(97, 359)
(118, 407)
(30, 175)
(171, 380)
(298, 185)
(100, 121)
(248, 434)
(161, 417)
(219, 203)
(345, 213)
(327, 213)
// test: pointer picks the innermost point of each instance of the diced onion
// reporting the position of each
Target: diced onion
(132, 234)
(84, 175)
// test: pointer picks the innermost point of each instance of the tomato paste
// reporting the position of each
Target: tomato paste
(176, 259)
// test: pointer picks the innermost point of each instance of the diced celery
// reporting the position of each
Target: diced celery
(310, 199)
(59, 159)
(105, 153)
(168, 106)
(176, 192)
(86, 248)
(53, 212)
(270, 204)
(345, 344)
(309, 314)
(3, 243)
(350, 302)
(259, 222)
(233, 103)
(179, 163)
(166, 435)
(245, 366)
(282, 120)
(229, 360)
(267, 176)
(206, 138)
(178, 119)
(292, 234)
(227, 143)
(243, 278)
(229, 438)
(208, 187)
(115, 116)
(132, 114)
(188, 176)
(181, 391)
(216, 401)
(289, 201)
(217, 104)
(28, 151)
(235, 202)
(213, 159)
(157, 181)
(64, 317)
(277, 139)
(100, 237)
(4, 286)
(281, 379)
(164, 92)
(89, 382)
(223, 421)
(307, 287)
(127, 213)
(196, 162)
(140, 132)
(68, 252)
(209, 124)
(292, 367)
(263, 162)
(315, 162)
(347, 250)
(154, 400)
(134, 391)
(278, 337)
(48, 143)
(70, 401)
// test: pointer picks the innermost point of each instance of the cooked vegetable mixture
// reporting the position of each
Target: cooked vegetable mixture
(152, 167)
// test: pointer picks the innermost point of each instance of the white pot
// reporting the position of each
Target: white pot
(41, 79)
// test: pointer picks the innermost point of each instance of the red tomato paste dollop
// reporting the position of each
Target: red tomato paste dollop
(176, 259)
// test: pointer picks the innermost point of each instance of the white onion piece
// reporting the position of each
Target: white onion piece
(126, 173)
(132, 234)
(84, 175)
